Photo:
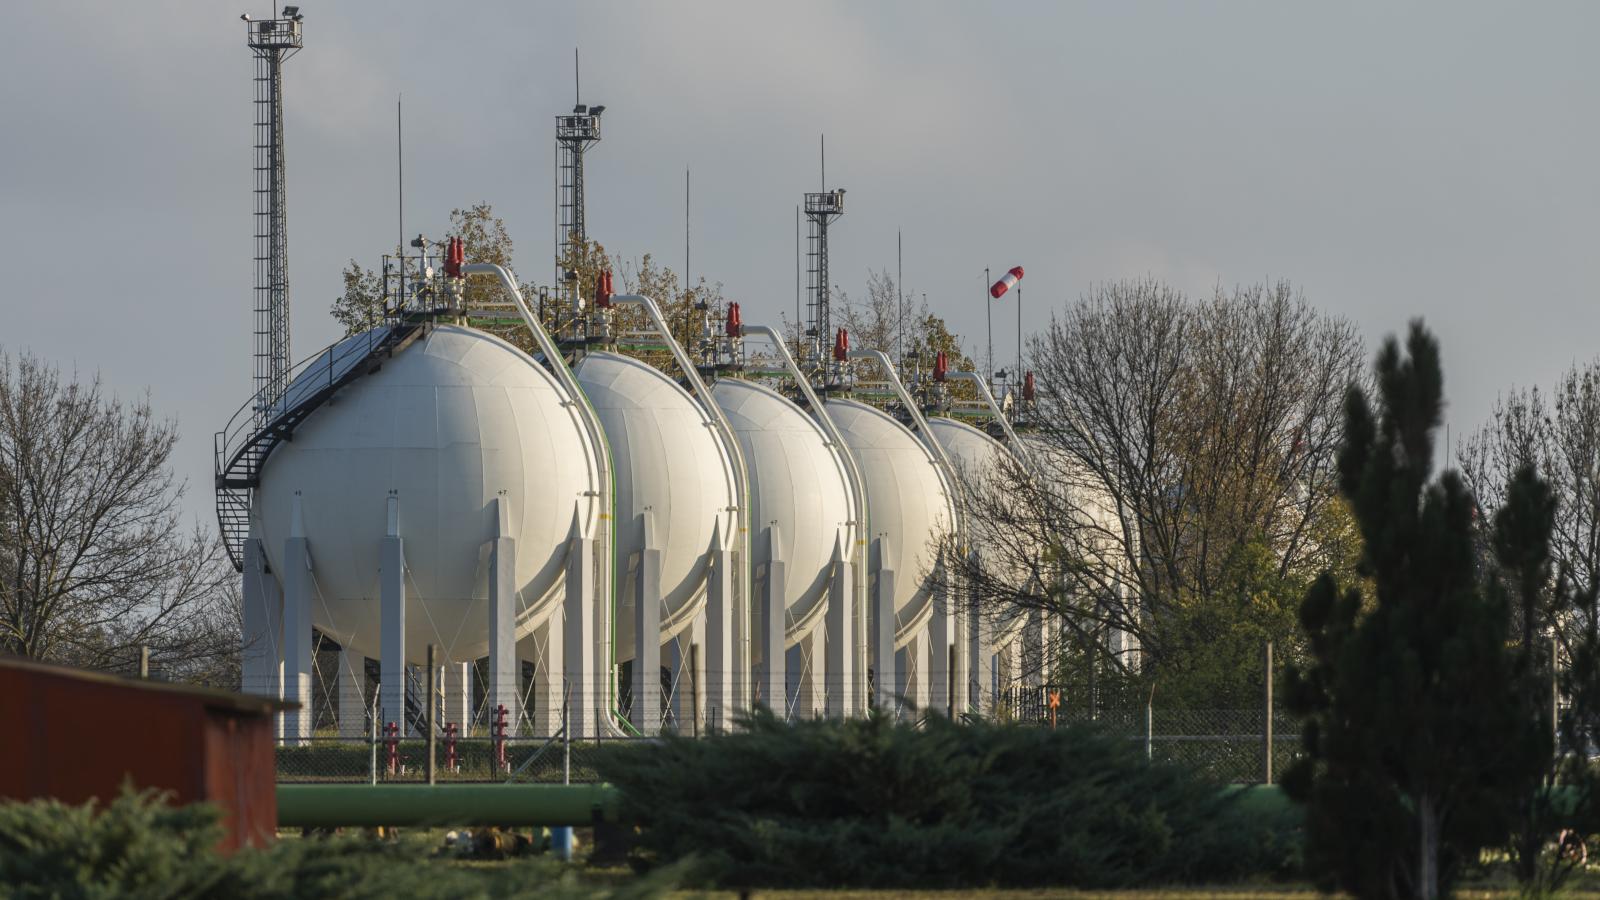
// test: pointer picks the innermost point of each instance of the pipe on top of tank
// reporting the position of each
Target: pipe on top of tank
(858, 490)
(923, 434)
(741, 478)
(1011, 435)
(702, 394)
(604, 523)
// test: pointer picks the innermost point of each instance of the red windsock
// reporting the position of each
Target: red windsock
(841, 345)
(1006, 283)
(735, 325)
(1027, 387)
(941, 365)
(602, 290)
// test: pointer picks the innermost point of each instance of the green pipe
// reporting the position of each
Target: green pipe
(420, 805)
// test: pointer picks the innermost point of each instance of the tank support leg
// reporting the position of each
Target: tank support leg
(352, 679)
(721, 638)
(504, 671)
(686, 663)
(586, 666)
(918, 655)
(977, 651)
(813, 692)
(262, 650)
(297, 635)
(886, 678)
(774, 685)
(961, 649)
(844, 688)
(940, 633)
(548, 692)
(646, 712)
(1033, 649)
(1011, 665)
(392, 630)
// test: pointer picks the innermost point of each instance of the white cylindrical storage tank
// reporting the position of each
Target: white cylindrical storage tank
(668, 461)
(447, 425)
(910, 506)
(799, 483)
(982, 463)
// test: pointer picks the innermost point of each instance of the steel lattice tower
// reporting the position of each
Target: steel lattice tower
(821, 210)
(271, 41)
(575, 134)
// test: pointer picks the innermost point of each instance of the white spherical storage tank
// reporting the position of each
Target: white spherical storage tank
(982, 463)
(669, 462)
(447, 426)
(910, 506)
(799, 483)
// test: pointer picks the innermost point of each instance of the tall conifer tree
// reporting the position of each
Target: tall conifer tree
(1409, 693)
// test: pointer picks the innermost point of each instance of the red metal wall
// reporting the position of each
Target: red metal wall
(73, 735)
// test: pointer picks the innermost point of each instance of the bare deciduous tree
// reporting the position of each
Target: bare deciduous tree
(1559, 434)
(1174, 444)
(96, 561)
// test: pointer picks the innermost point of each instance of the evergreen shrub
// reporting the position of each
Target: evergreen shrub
(870, 803)
(137, 846)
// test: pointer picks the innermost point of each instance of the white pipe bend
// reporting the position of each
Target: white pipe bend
(1011, 435)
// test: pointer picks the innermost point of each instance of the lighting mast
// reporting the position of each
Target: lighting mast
(822, 208)
(271, 41)
(575, 134)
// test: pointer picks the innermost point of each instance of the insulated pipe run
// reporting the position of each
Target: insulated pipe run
(857, 486)
(948, 471)
(702, 394)
(423, 806)
(597, 439)
(923, 434)
(740, 476)
(988, 399)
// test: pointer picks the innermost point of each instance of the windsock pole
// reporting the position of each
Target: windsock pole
(996, 291)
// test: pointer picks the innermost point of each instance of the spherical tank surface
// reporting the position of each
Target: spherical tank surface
(669, 462)
(910, 505)
(982, 463)
(798, 483)
(449, 424)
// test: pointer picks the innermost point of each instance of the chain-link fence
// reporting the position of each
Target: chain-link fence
(396, 760)
(1226, 744)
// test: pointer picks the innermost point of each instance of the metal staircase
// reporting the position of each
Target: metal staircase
(242, 447)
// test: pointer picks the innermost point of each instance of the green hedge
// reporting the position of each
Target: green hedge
(873, 803)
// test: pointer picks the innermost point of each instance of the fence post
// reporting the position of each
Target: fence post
(144, 661)
(1555, 695)
(372, 738)
(1150, 726)
(1266, 768)
(433, 709)
(694, 690)
(566, 745)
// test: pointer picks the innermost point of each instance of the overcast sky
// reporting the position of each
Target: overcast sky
(1432, 160)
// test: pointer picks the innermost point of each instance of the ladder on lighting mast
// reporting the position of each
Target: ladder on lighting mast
(271, 42)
